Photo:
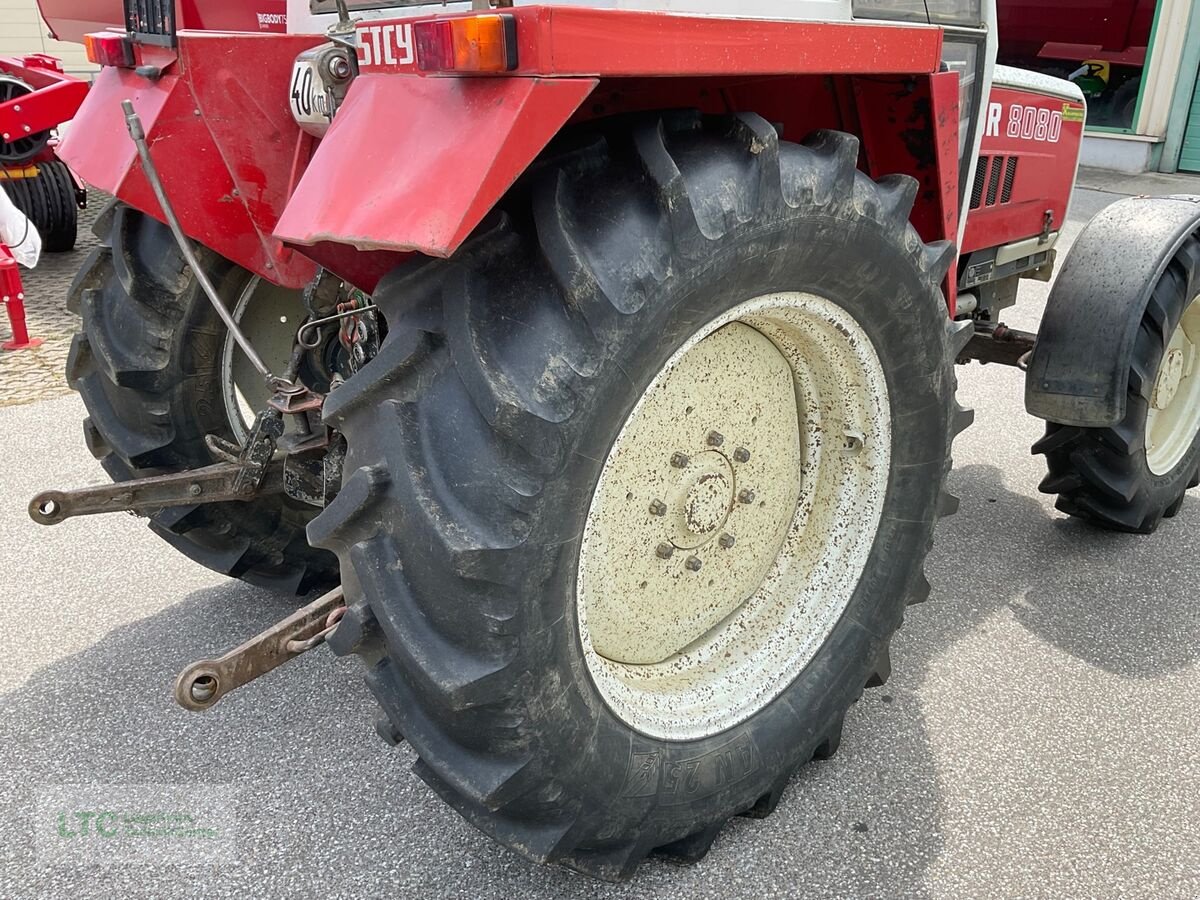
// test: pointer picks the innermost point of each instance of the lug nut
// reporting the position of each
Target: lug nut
(741, 454)
(715, 439)
(664, 551)
(339, 67)
(195, 490)
(745, 495)
(692, 564)
(658, 508)
(679, 460)
(726, 541)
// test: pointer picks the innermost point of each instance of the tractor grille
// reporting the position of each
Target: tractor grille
(980, 177)
(994, 175)
(1010, 175)
(151, 21)
(994, 179)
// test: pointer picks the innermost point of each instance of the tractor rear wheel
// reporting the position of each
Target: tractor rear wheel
(155, 368)
(640, 483)
(1132, 476)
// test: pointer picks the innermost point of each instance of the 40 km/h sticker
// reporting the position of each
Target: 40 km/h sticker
(310, 99)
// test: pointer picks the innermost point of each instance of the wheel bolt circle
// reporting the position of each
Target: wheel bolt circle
(692, 564)
(664, 551)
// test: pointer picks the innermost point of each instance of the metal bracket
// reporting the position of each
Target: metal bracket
(997, 343)
(251, 474)
(260, 449)
(317, 323)
(211, 484)
(206, 681)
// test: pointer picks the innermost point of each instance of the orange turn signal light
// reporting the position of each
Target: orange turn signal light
(105, 48)
(486, 43)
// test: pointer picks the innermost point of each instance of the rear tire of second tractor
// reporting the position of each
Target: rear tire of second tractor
(151, 364)
(641, 481)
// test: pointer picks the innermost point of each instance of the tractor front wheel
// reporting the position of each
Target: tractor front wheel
(1135, 474)
(640, 483)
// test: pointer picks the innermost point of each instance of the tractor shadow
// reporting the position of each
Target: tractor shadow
(1125, 604)
(326, 809)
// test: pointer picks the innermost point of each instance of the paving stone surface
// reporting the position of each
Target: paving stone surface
(38, 374)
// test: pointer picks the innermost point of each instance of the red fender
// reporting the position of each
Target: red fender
(414, 164)
(220, 134)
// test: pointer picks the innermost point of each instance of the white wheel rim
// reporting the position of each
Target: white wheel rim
(1174, 417)
(270, 322)
(679, 651)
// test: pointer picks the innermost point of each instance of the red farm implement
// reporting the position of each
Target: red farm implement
(36, 96)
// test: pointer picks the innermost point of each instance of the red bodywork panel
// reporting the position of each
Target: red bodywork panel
(55, 99)
(580, 41)
(440, 181)
(222, 139)
(1042, 163)
(70, 20)
(902, 111)
(413, 162)
(459, 143)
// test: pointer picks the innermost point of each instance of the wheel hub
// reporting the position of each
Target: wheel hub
(733, 515)
(270, 316)
(1173, 420)
(1169, 378)
(663, 600)
(707, 501)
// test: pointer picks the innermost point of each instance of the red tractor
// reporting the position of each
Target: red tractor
(599, 364)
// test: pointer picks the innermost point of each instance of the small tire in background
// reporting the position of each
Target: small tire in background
(48, 199)
(1135, 474)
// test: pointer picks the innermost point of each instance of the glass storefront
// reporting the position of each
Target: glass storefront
(1101, 45)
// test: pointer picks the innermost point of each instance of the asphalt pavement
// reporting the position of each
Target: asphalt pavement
(1038, 738)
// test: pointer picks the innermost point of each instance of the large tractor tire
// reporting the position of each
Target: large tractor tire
(48, 200)
(1135, 474)
(154, 366)
(640, 483)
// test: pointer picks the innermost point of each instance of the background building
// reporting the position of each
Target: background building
(23, 31)
(1136, 61)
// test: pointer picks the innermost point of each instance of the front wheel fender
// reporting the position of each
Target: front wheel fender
(1079, 372)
